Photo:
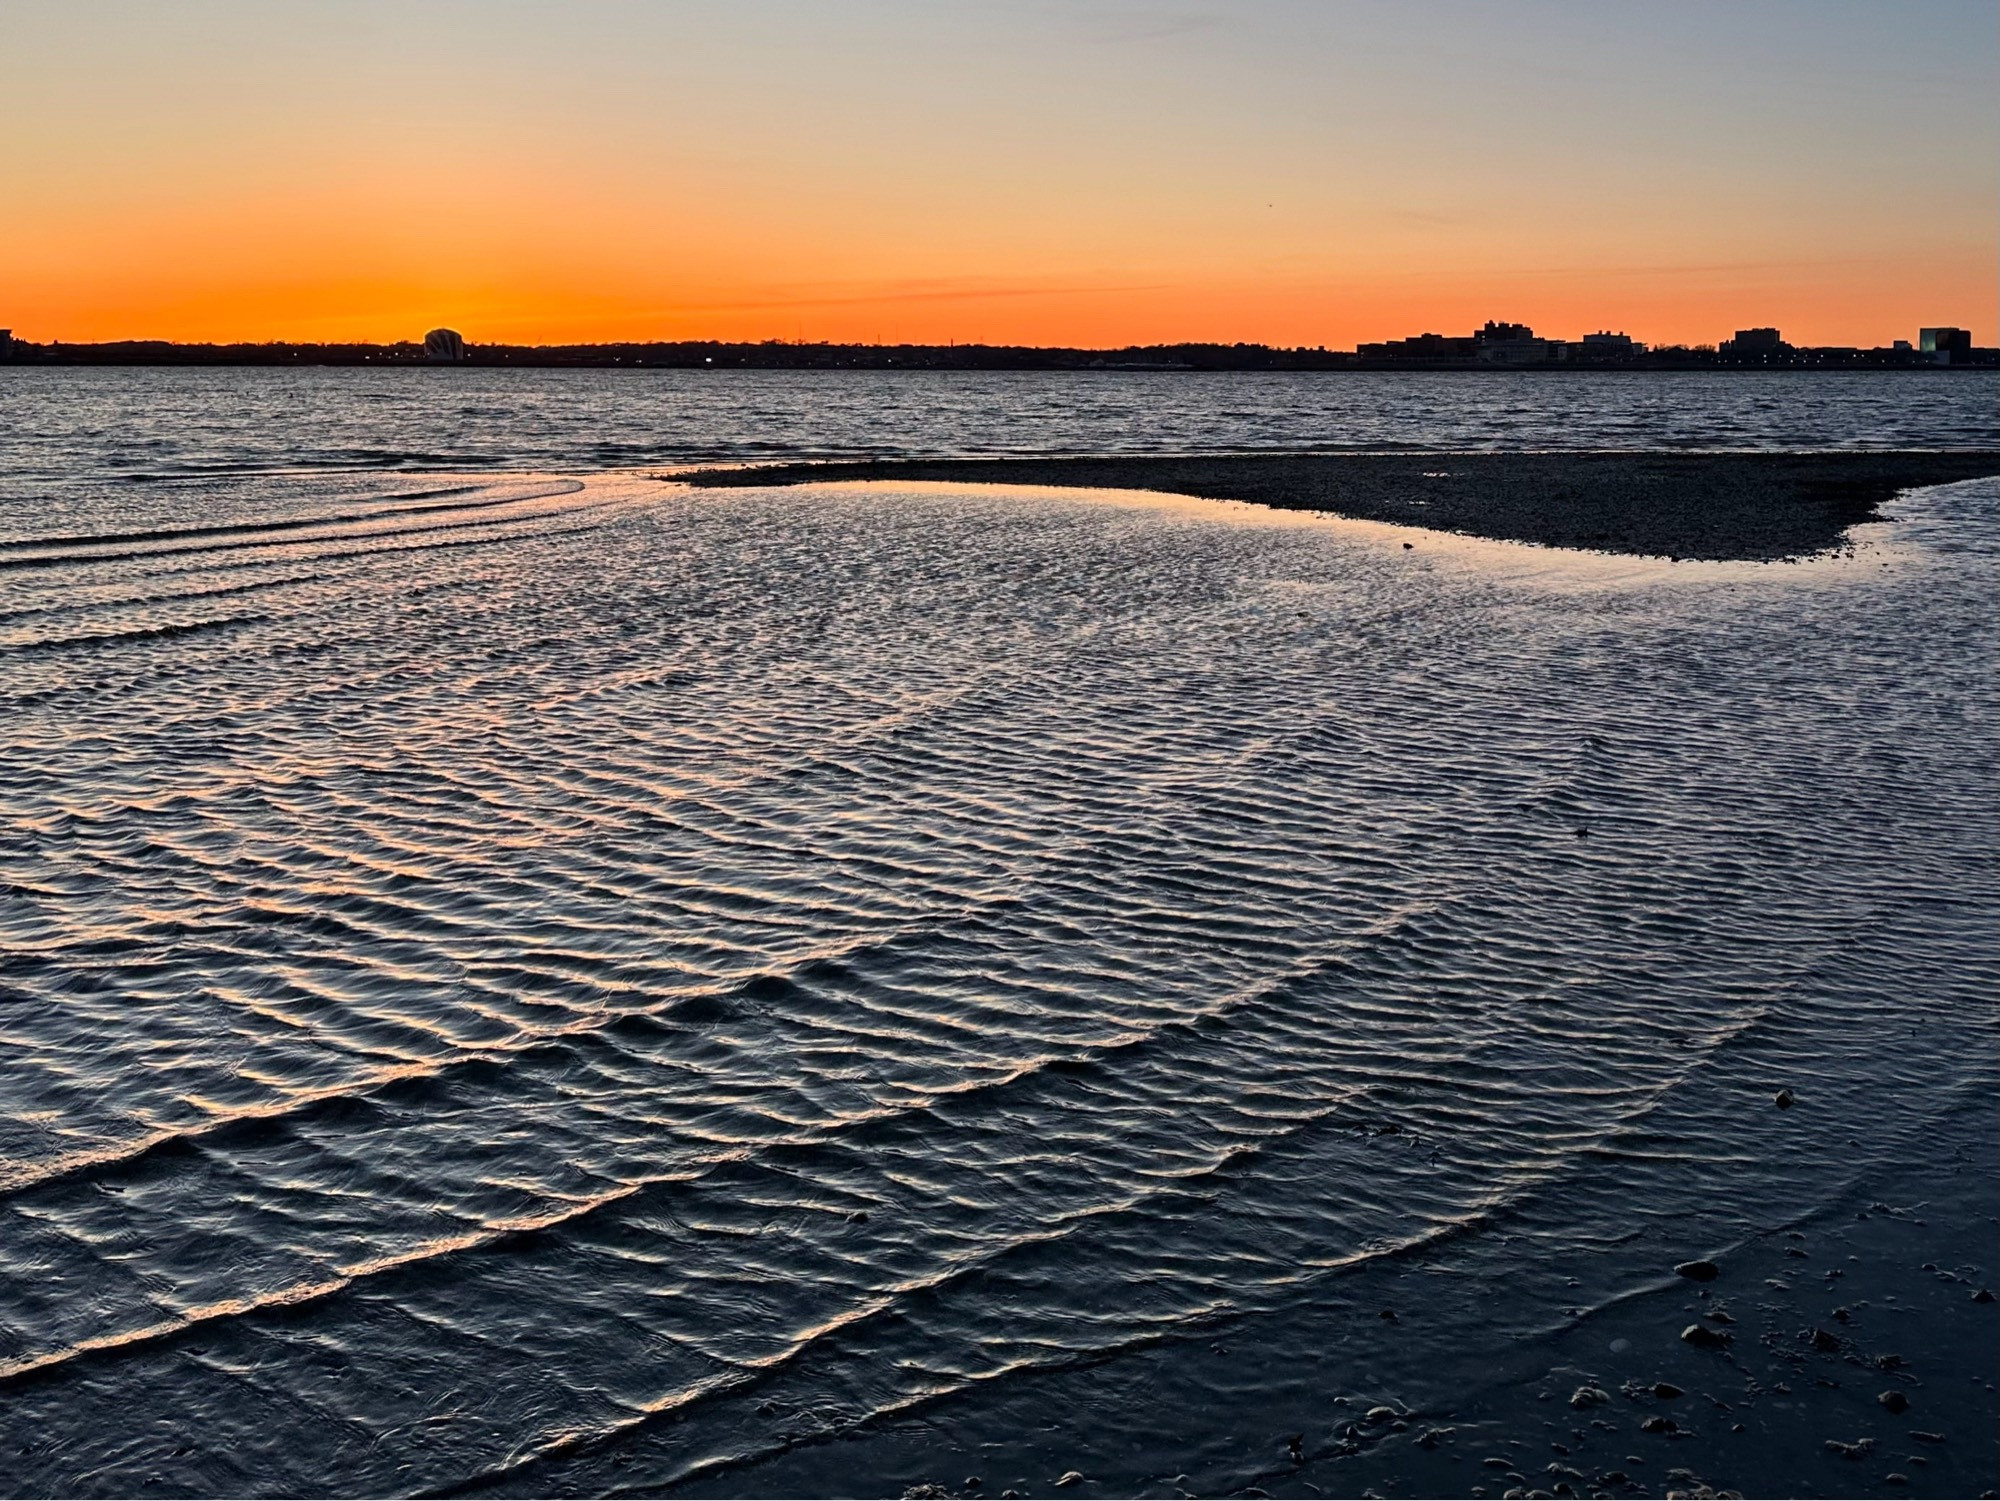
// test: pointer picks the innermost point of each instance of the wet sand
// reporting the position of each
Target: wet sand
(1718, 506)
(1846, 1353)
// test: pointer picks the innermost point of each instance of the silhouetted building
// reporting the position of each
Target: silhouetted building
(6, 343)
(1420, 347)
(1949, 346)
(1755, 341)
(1603, 348)
(1494, 344)
(443, 346)
(1514, 344)
(1754, 345)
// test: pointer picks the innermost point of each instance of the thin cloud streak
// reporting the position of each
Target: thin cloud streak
(1600, 271)
(867, 299)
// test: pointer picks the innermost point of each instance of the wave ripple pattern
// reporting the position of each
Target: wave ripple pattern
(507, 968)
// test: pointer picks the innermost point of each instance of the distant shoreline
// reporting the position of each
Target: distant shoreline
(1761, 507)
(773, 355)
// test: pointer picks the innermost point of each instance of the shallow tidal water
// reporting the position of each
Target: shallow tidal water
(543, 982)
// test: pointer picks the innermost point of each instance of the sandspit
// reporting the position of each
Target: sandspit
(1719, 506)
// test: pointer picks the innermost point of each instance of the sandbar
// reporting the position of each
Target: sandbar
(1717, 506)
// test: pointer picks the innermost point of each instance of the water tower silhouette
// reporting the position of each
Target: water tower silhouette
(443, 346)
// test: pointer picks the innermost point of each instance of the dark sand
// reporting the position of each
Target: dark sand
(1880, 1292)
(1753, 506)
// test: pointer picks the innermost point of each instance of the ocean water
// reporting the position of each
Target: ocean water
(64, 426)
(521, 977)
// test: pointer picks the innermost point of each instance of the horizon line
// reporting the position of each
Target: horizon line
(417, 342)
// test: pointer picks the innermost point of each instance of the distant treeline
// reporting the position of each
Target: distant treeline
(701, 353)
(779, 355)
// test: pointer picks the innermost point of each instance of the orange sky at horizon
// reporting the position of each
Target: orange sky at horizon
(989, 174)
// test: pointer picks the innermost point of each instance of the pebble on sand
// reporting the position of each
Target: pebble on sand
(1070, 1477)
(1894, 1401)
(1699, 1271)
(1589, 1396)
(1704, 1338)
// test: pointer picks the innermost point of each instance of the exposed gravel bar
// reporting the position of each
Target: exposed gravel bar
(1756, 506)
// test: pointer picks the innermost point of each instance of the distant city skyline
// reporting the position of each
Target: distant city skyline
(1089, 175)
(1496, 342)
(1495, 345)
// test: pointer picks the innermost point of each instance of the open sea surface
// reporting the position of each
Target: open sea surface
(517, 976)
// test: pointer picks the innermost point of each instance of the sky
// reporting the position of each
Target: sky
(1082, 172)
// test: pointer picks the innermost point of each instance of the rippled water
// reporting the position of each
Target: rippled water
(549, 983)
(61, 426)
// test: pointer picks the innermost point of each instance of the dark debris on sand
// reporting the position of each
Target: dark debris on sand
(1718, 506)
